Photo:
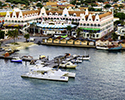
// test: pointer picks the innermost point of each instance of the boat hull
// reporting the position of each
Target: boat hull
(42, 77)
(101, 48)
(115, 48)
(17, 61)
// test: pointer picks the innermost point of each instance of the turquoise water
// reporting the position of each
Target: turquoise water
(101, 78)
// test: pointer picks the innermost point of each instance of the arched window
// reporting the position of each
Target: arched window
(91, 24)
(98, 24)
(94, 24)
(84, 24)
(87, 24)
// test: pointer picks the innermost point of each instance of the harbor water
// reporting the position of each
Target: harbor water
(100, 78)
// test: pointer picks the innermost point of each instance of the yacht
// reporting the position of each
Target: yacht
(47, 73)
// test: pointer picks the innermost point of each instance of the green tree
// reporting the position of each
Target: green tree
(78, 30)
(114, 36)
(107, 6)
(26, 36)
(121, 16)
(13, 34)
(69, 28)
(39, 5)
(2, 34)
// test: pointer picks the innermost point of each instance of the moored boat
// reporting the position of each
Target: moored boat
(47, 73)
(16, 59)
(114, 47)
(68, 65)
(102, 47)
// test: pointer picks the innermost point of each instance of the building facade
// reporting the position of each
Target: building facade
(93, 24)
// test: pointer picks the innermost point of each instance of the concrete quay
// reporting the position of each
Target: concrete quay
(69, 45)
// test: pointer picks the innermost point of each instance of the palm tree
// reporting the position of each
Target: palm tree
(69, 28)
(26, 36)
(13, 34)
(78, 30)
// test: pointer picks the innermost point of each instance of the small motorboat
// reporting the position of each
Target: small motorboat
(76, 61)
(101, 47)
(84, 57)
(68, 64)
(114, 47)
(16, 59)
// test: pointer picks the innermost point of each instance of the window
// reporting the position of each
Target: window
(42, 13)
(91, 24)
(84, 24)
(89, 19)
(13, 16)
(98, 24)
(87, 24)
(87, 35)
(8, 16)
(96, 19)
(83, 19)
(94, 24)
(97, 35)
(20, 16)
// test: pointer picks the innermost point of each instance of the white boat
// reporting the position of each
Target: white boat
(16, 59)
(102, 47)
(87, 57)
(76, 61)
(40, 68)
(47, 73)
(68, 65)
(45, 76)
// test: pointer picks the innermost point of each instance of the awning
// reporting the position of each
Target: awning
(12, 25)
(59, 26)
(95, 29)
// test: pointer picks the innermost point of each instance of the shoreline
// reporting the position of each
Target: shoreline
(19, 46)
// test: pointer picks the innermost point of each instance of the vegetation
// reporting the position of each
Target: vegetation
(69, 28)
(26, 36)
(114, 36)
(13, 34)
(78, 30)
(39, 5)
(107, 6)
(2, 4)
(2, 34)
